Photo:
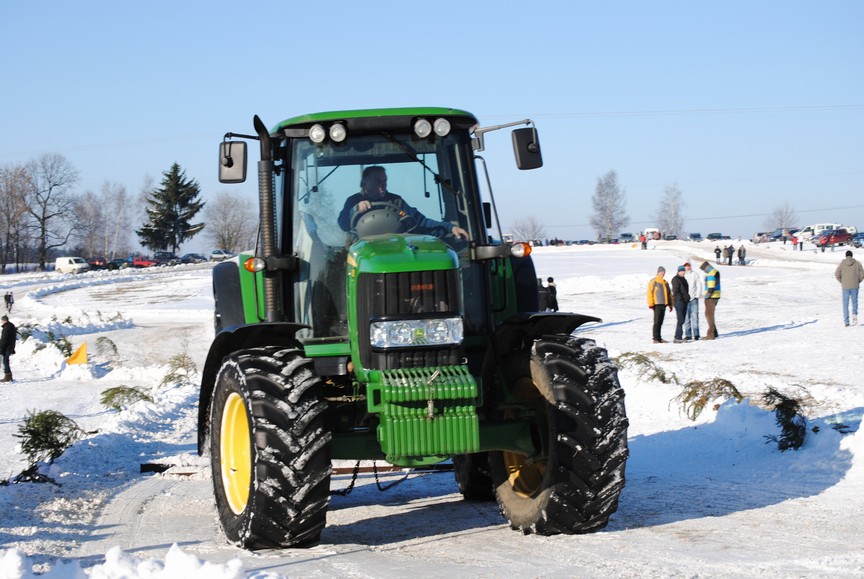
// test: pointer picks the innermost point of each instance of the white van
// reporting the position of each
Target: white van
(71, 265)
(820, 227)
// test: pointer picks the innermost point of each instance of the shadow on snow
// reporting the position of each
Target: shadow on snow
(729, 466)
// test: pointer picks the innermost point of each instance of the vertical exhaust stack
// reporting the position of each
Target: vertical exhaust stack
(268, 219)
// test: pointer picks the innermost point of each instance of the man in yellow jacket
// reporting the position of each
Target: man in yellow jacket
(659, 298)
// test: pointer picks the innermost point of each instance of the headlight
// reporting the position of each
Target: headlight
(317, 134)
(338, 132)
(405, 333)
(422, 128)
(441, 127)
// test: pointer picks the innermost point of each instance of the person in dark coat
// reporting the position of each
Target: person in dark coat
(680, 298)
(7, 346)
(717, 252)
(551, 295)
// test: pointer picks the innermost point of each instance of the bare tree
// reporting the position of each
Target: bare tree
(50, 203)
(231, 222)
(610, 213)
(783, 217)
(670, 212)
(103, 221)
(15, 184)
(90, 223)
(116, 202)
(528, 228)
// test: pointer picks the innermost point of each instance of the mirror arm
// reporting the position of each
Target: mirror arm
(478, 132)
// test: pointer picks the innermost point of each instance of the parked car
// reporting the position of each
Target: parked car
(670, 237)
(143, 261)
(117, 263)
(857, 240)
(220, 255)
(193, 258)
(695, 237)
(714, 236)
(165, 258)
(97, 263)
(834, 237)
(70, 264)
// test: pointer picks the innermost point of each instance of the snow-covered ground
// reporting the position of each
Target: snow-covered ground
(711, 497)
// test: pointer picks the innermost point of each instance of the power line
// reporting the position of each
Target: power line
(667, 112)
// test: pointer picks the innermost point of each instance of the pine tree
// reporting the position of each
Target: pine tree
(169, 211)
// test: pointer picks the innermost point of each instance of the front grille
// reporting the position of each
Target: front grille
(407, 295)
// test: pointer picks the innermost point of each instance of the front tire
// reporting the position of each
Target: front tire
(270, 450)
(581, 425)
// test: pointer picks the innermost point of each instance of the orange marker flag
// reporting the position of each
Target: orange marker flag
(80, 355)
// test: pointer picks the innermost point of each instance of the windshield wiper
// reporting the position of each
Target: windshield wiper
(411, 153)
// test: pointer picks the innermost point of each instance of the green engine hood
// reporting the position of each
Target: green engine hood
(394, 252)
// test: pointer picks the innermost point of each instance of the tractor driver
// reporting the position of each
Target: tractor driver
(373, 189)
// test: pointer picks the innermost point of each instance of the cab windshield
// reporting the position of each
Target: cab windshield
(429, 175)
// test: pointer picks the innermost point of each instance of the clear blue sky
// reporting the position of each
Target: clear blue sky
(745, 105)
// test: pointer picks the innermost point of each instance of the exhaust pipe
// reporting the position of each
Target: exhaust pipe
(268, 219)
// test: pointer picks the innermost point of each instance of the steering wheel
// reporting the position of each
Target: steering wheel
(381, 217)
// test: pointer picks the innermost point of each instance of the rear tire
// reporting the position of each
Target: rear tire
(581, 424)
(474, 477)
(270, 451)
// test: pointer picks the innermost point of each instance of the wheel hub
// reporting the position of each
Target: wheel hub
(236, 460)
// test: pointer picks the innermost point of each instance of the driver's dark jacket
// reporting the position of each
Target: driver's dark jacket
(411, 220)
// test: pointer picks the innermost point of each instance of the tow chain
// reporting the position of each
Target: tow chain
(347, 491)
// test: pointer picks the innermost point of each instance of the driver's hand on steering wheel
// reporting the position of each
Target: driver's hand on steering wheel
(458, 232)
(363, 206)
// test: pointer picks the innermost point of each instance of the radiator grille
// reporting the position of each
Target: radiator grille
(409, 295)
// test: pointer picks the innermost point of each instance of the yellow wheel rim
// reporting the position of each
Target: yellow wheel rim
(526, 478)
(235, 453)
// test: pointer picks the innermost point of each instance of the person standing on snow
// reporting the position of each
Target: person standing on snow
(696, 285)
(850, 274)
(712, 296)
(680, 298)
(659, 298)
(9, 302)
(551, 295)
(717, 252)
(742, 255)
(7, 346)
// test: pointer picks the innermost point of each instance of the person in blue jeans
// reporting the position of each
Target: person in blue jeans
(680, 299)
(850, 274)
(696, 285)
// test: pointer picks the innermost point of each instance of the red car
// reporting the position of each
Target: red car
(142, 261)
(835, 237)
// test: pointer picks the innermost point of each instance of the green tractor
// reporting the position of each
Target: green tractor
(370, 325)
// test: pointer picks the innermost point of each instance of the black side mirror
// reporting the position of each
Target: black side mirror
(232, 162)
(526, 147)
